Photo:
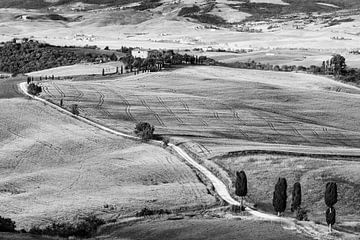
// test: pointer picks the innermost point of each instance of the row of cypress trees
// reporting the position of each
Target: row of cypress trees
(280, 197)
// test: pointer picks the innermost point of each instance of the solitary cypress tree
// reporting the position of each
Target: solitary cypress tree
(330, 201)
(241, 187)
(279, 197)
(296, 197)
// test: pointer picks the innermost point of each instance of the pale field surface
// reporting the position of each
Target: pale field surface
(80, 69)
(161, 28)
(214, 110)
(202, 228)
(54, 168)
(288, 57)
(254, 106)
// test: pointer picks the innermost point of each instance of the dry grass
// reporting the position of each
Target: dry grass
(54, 168)
(313, 174)
(215, 102)
(215, 110)
(80, 69)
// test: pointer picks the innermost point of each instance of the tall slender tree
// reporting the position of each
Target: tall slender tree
(330, 200)
(296, 197)
(280, 196)
(241, 187)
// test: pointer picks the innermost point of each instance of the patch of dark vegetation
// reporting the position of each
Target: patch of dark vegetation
(335, 22)
(34, 89)
(24, 55)
(144, 130)
(84, 228)
(285, 153)
(261, 11)
(54, 17)
(148, 212)
(208, 18)
(148, 4)
(186, 11)
(7, 225)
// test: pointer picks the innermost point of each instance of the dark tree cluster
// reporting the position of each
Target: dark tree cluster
(34, 89)
(28, 55)
(7, 225)
(144, 130)
(158, 59)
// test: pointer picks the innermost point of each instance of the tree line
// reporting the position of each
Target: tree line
(335, 66)
(29, 55)
(279, 200)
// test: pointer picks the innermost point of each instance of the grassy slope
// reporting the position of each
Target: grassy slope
(203, 229)
(54, 168)
(37, 4)
(273, 109)
(254, 106)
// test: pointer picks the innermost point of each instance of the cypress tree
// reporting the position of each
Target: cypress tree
(330, 194)
(330, 201)
(241, 187)
(279, 197)
(296, 197)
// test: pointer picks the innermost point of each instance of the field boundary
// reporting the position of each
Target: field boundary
(252, 152)
(309, 228)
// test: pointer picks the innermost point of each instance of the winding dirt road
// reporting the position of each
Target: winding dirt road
(310, 228)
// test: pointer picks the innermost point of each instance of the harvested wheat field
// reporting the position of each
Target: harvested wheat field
(254, 106)
(54, 167)
(305, 124)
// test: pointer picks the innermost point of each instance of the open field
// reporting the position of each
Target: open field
(303, 124)
(263, 171)
(255, 106)
(79, 69)
(202, 228)
(55, 168)
(281, 57)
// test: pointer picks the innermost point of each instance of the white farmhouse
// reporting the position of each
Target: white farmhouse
(140, 53)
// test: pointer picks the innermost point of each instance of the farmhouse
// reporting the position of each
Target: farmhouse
(140, 53)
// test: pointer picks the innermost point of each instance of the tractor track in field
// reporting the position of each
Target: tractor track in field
(100, 103)
(187, 110)
(80, 93)
(156, 115)
(161, 101)
(47, 91)
(126, 103)
(62, 94)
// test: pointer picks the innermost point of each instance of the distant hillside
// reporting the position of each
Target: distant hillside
(29, 56)
(38, 4)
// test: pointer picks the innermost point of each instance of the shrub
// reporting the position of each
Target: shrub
(296, 197)
(189, 10)
(75, 109)
(330, 194)
(301, 214)
(7, 225)
(144, 130)
(279, 197)
(86, 227)
(33, 89)
(148, 212)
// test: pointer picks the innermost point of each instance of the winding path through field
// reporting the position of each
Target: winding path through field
(310, 228)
